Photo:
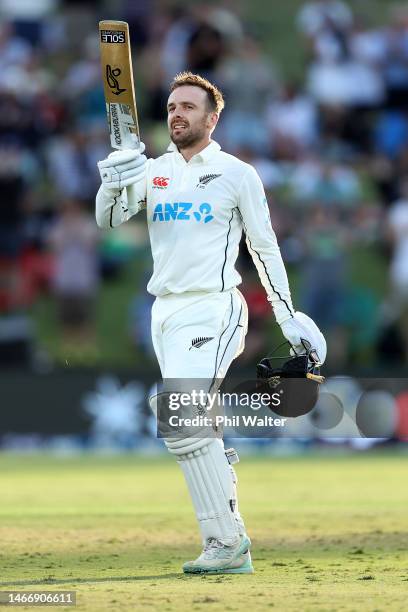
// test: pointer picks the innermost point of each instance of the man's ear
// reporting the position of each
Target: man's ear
(212, 120)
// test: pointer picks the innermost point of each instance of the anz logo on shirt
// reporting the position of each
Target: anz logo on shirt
(182, 211)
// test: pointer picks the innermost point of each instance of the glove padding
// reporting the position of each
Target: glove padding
(123, 168)
(300, 329)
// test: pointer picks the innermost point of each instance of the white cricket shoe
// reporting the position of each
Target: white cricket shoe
(217, 558)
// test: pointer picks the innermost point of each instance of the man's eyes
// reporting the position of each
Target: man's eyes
(171, 109)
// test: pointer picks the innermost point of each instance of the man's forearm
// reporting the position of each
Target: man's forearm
(115, 206)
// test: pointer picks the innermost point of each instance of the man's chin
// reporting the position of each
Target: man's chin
(181, 141)
(184, 140)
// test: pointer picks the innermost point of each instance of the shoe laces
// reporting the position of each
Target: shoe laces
(213, 543)
(214, 549)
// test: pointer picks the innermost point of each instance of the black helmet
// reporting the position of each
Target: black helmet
(297, 380)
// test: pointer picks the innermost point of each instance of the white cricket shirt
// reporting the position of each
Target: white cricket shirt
(196, 212)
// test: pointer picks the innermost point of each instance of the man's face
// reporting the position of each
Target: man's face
(189, 120)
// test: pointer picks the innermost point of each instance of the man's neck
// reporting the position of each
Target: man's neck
(189, 152)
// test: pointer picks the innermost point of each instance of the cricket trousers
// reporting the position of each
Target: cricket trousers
(197, 336)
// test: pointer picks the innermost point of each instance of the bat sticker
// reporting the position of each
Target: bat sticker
(113, 36)
(112, 80)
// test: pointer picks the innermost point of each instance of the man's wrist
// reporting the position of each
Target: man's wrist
(110, 192)
(282, 312)
(284, 319)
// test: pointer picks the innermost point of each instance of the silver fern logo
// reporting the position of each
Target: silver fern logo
(198, 342)
(205, 179)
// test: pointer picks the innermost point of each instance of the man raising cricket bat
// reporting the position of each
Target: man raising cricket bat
(198, 201)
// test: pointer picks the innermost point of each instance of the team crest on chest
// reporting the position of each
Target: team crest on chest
(205, 179)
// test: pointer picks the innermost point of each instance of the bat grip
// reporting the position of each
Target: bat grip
(130, 189)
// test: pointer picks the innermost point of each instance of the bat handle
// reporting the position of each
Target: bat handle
(131, 193)
(130, 189)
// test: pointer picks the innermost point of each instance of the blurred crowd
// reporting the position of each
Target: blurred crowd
(331, 149)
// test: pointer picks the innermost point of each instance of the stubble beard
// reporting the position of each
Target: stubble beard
(189, 137)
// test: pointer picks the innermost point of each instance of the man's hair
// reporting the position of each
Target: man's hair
(215, 100)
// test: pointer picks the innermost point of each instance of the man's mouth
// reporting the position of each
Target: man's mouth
(179, 126)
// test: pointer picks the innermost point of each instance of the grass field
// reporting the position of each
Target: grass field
(329, 533)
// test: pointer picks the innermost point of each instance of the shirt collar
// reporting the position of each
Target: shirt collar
(203, 156)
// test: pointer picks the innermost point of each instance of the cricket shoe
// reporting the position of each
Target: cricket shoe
(217, 558)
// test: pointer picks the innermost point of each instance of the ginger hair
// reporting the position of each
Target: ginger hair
(215, 99)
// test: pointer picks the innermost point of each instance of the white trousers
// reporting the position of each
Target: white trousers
(197, 335)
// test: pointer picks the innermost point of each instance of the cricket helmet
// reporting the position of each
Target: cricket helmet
(296, 379)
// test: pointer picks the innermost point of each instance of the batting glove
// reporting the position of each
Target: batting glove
(123, 168)
(300, 330)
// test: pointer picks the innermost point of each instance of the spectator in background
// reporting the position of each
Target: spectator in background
(141, 17)
(175, 42)
(215, 33)
(325, 24)
(398, 229)
(391, 133)
(345, 76)
(12, 190)
(82, 86)
(14, 51)
(345, 81)
(292, 120)
(140, 319)
(396, 62)
(367, 44)
(318, 15)
(16, 331)
(243, 124)
(73, 241)
(324, 276)
(71, 160)
(205, 48)
(330, 182)
(259, 308)
(28, 17)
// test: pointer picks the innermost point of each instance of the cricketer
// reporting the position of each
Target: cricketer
(198, 200)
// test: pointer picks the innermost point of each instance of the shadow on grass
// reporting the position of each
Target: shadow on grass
(52, 581)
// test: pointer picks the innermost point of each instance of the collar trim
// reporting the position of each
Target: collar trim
(205, 155)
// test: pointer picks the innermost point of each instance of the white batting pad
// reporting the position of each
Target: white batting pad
(212, 488)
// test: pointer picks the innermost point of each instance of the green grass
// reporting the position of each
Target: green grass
(329, 533)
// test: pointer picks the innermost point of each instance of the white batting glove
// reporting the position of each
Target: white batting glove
(123, 168)
(301, 329)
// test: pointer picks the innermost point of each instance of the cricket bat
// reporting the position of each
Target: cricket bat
(119, 89)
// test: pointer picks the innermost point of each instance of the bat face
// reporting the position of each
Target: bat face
(118, 84)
